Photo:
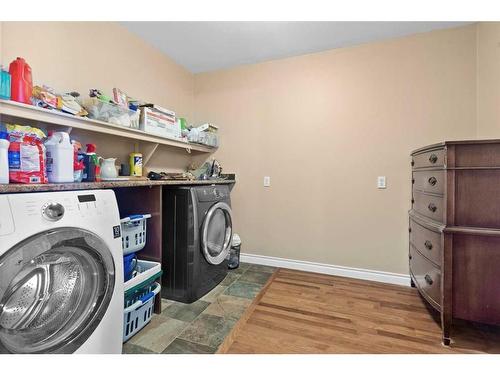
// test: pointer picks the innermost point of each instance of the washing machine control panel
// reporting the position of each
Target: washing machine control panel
(53, 211)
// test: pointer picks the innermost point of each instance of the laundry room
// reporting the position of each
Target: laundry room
(216, 185)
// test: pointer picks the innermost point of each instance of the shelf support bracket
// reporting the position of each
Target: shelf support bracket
(147, 157)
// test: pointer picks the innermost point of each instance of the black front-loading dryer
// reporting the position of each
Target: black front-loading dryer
(197, 234)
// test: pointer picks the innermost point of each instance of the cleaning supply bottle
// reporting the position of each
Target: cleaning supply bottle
(4, 84)
(59, 152)
(78, 164)
(91, 173)
(135, 164)
(21, 83)
(4, 158)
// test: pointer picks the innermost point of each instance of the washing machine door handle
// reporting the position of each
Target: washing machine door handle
(206, 243)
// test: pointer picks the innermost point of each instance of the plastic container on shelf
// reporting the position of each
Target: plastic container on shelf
(112, 113)
(21, 86)
(4, 84)
(4, 158)
(59, 155)
(133, 233)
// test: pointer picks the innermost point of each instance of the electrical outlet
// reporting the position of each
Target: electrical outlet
(267, 181)
(381, 183)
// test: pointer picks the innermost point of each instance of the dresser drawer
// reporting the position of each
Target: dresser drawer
(432, 181)
(427, 276)
(431, 206)
(426, 241)
(434, 158)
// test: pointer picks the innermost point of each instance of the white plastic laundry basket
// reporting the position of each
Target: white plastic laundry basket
(139, 310)
(133, 233)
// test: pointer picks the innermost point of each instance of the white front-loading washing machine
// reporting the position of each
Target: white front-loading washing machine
(61, 273)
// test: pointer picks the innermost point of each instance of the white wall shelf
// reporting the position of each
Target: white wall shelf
(10, 111)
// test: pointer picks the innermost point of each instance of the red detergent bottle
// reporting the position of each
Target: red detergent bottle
(21, 83)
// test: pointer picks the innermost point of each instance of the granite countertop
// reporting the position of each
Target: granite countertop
(25, 188)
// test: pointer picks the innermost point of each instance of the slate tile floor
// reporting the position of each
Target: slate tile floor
(200, 327)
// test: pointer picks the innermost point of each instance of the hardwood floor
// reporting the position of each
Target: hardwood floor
(301, 312)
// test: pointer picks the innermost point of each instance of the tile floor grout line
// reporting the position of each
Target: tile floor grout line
(189, 323)
(230, 319)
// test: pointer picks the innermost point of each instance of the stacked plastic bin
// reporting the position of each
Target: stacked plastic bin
(140, 286)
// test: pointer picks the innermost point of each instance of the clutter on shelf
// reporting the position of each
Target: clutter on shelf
(103, 108)
(46, 97)
(210, 170)
(34, 158)
(205, 134)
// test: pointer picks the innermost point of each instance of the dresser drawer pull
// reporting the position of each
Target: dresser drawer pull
(432, 207)
(433, 181)
(428, 245)
(428, 280)
(433, 158)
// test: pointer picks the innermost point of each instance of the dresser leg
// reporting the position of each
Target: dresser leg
(446, 329)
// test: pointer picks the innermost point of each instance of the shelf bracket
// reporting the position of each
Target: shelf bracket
(147, 157)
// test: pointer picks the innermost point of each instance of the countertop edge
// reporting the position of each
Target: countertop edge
(32, 188)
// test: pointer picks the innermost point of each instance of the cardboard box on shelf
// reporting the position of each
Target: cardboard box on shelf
(159, 121)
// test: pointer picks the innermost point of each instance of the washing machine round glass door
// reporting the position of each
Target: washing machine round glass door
(54, 290)
(216, 233)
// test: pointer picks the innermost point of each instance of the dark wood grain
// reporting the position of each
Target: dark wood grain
(468, 205)
(476, 278)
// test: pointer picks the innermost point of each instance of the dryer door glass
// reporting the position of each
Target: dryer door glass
(217, 232)
(54, 289)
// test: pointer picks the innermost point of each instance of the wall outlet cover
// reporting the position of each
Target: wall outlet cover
(381, 182)
(267, 181)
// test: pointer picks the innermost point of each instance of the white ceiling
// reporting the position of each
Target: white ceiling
(205, 46)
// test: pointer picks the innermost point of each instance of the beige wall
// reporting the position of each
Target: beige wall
(324, 126)
(488, 80)
(77, 56)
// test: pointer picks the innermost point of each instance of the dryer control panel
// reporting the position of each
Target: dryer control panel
(212, 193)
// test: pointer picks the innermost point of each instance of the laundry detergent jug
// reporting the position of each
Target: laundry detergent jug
(21, 82)
(59, 152)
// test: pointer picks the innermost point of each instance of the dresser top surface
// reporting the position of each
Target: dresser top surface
(456, 142)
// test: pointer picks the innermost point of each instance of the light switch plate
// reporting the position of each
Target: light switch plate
(381, 183)
(267, 181)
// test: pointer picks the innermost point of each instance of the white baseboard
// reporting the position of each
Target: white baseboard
(328, 269)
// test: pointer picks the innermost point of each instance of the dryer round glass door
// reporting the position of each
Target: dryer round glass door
(54, 289)
(216, 233)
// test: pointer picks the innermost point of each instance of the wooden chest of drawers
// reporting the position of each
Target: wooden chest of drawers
(454, 225)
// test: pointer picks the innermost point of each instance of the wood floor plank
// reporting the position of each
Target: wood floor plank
(302, 312)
